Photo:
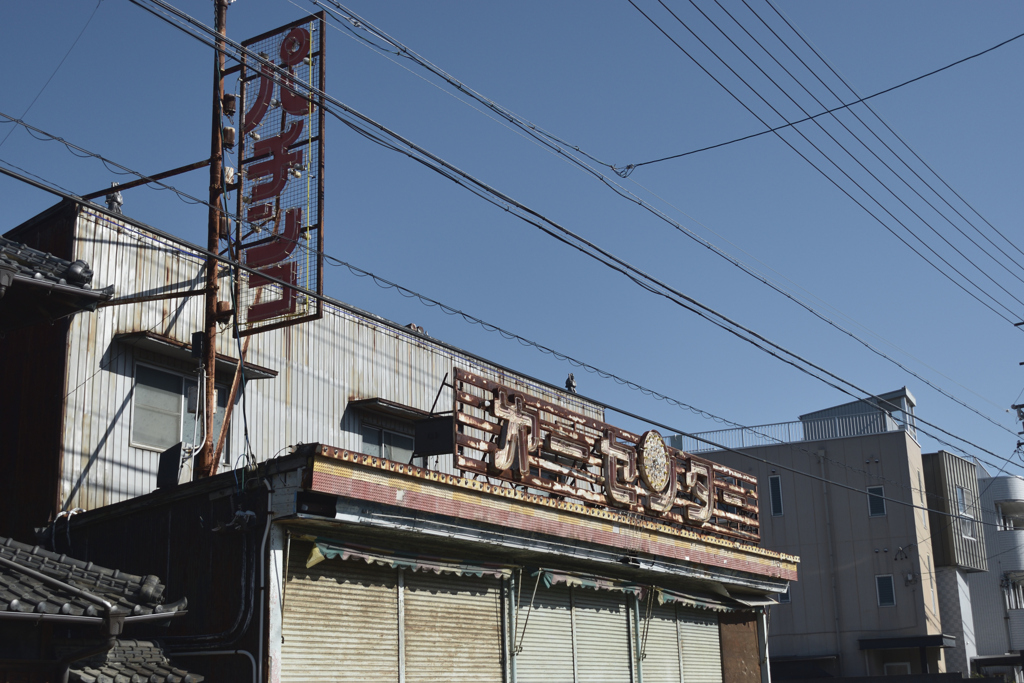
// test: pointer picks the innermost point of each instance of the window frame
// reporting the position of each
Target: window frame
(966, 519)
(878, 592)
(132, 441)
(365, 427)
(880, 496)
(183, 379)
(775, 481)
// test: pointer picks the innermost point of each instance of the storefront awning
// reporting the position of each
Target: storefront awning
(323, 550)
(553, 577)
(698, 601)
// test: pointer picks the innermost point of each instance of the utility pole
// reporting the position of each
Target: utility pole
(207, 454)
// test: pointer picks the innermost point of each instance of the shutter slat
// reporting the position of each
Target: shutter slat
(602, 636)
(452, 628)
(699, 639)
(546, 636)
(340, 622)
(661, 649)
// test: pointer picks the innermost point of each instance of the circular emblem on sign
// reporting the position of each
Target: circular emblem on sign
(653, 460)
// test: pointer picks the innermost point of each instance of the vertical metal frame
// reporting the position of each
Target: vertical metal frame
(316, 304)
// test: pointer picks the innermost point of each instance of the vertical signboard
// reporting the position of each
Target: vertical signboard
(281, 179)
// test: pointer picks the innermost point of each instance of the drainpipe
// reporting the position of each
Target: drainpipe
(762, 645)
(831, 557)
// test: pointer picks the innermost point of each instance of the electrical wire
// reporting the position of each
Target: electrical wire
(396, 142)
(56, 69)
(869, 150)
(845, 105)
(571, 239)
(351, 21)
(200, 251)
(826, 175)
(878, 116)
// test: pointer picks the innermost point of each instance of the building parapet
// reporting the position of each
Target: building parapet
(818, 429)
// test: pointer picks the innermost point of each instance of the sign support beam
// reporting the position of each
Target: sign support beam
(207, 455)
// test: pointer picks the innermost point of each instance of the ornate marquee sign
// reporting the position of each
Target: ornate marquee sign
(281, 179)
(509, 435)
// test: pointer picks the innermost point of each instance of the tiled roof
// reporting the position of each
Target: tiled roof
(37, 286)
(130, 661)
(21, 592)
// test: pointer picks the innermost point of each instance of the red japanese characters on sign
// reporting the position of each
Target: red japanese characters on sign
(280, 187)
(509, 435)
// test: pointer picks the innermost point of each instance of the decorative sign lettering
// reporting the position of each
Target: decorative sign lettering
(281, 180)
(509, 435)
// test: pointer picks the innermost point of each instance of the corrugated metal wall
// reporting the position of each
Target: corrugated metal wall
(322, 366)
(956, 541)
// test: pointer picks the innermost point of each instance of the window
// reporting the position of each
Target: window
(784, 598)
(963, 508)
(876, 501)
(885, 590)
(385, 443)
(931, 582)
(775, 494)
(1014, 594)
(924, 500)
(1009, 517)
(166, 406)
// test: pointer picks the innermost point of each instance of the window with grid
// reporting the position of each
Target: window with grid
(964, 510)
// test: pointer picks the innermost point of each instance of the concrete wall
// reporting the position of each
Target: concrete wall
(842, 548)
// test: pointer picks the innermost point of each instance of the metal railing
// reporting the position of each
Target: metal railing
(818, 429)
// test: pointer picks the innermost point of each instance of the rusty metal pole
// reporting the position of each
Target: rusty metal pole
(207, 455)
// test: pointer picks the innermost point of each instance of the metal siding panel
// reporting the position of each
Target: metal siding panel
(546, 636)
(699, 639)
(602, 636)
(452, 628)
(660, 661)
(1016, 619)
(340, 622)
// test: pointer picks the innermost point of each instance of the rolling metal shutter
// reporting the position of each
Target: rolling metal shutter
(453, 628)
(698, 637)
(340, 622)
(546, 636)
(662, 661)
(602, 636)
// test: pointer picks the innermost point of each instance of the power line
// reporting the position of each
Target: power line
(898, 137)
(351, 21)
(431, 302)
(830, 160)
(56, 69)
(559, 232)
(241, 266)
(630, 167)
(871, 151)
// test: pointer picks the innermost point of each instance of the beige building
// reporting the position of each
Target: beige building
(845, 489)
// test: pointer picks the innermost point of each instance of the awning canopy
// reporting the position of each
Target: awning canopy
(553, 577)
(698, 601)
(935, 640)
(418, 563)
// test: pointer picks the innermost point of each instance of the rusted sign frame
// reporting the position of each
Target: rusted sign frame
(246, 76)
(509, 435)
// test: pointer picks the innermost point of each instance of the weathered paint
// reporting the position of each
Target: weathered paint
(322, 366)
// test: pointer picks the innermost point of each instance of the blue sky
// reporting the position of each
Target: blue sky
(602, 78)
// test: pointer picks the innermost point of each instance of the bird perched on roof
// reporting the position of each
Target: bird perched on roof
(570, 384)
